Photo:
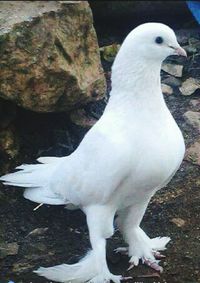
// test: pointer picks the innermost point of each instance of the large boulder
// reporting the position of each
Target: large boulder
(49, 55)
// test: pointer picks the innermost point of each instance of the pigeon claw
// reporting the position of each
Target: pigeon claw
(134, 261)
(158, 255)
(153, 264)
(130, 266)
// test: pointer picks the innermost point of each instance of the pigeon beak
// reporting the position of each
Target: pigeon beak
(180, 51)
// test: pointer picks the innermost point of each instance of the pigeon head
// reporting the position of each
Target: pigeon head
(141, 55)
(154, 41)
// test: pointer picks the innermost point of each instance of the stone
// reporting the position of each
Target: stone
(178, 222)
(193, 153)
(195, 104)
(189, 86)
(193, 118)
(172, 81)
(50, 58)
(8, 249)
(173, 69)
(166, 89)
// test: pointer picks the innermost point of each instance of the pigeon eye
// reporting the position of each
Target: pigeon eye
(159, 40)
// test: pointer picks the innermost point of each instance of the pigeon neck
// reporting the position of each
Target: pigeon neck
(136, 79)
(135, 87)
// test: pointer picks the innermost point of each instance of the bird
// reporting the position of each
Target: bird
(130, 153)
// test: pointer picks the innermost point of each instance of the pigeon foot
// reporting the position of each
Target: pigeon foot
(145, 250)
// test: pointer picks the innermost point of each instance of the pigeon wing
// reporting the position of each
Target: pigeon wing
(95, 170)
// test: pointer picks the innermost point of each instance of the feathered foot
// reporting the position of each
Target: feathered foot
(147, 251)
(84, 271)
(70, 274)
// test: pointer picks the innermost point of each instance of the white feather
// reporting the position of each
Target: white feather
(82, 271)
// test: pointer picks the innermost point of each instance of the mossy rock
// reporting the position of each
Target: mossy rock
(50, 58)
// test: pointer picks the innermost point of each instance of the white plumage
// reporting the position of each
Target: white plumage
(132, 151)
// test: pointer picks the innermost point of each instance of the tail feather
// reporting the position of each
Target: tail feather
(25, 185)
(27, 168)
(28, 176)
(43, 195)
(37, 179)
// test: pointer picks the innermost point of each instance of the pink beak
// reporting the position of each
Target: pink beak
(180, 51)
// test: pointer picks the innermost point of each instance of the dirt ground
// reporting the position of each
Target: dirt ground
(174, 211)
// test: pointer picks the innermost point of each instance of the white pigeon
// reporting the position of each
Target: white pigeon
(131, 152)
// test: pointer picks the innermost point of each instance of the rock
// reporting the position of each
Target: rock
(172, 69)
(193, 118)
(189, 86)
(172, 81)
(8, 249)
(166, 89)
(193, 153)
(109, 52)
(178, 221)
(50, 57)
(195, 104)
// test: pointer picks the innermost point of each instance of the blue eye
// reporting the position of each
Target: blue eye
(159, 40)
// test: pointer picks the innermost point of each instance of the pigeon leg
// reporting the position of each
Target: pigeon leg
(141, 247)
(93, 267)
(100, 224)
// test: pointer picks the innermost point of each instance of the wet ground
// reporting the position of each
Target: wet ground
(63, 235)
